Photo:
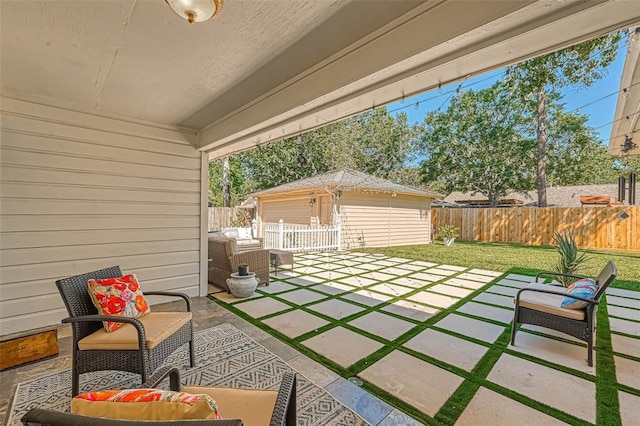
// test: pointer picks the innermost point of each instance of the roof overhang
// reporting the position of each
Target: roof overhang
(627, 116)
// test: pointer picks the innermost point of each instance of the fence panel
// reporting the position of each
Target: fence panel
(225, 217)
(596, 227)
(298, 238)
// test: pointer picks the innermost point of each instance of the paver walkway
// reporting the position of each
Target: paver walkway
(435, 339)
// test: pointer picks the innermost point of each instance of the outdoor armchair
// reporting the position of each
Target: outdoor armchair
(539, 304)
(238, 406)
(139, 346)
(225, 259)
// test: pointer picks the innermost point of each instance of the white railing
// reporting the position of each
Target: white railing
(291, 237)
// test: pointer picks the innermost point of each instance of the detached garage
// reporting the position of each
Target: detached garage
(372, 212)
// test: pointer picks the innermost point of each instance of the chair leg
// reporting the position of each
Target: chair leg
(192, 352)
(514, 326)
(590, 351)
(75, 381)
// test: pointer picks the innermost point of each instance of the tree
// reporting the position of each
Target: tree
(477, 145)
(216, 181)
(578, 65)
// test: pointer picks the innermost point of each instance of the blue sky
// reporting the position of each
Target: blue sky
(600, 113)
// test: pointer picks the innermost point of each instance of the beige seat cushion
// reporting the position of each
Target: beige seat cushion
(157, 326)
(254, 407)
(549, 303)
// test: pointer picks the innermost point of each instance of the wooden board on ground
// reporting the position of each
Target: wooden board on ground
(27, 349)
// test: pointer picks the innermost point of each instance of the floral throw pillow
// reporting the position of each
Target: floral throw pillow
(119, 296)
(145, 404)
(585, 287)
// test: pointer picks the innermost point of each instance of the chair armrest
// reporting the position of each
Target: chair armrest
(249, 257)
(40, 417)
(559, 293)
(186, 297)
(156, 378)
(142, 337)
(284, 410)
(555, 274)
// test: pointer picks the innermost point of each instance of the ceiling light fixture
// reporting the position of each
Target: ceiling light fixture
(196, 10)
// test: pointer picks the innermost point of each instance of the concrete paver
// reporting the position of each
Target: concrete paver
(411, 282)
(451, 290)
(625, 345)
(617, 311)
(629, 408)
(332, 288)
(624, 326)
(295, 323)
(623, 301)
(330, 275)
(486, 311)
(382, 325)
(342, 346)
(368, 406)
(503, 290)
(391, 289)
(414, 311)
(261, 307)
(379, 276)
(627, 372)
(434, 299)
(452, 350)
(459, 282)
(276, 287)
(302, 296)
(495, 299)
(624, 293)
(335, 308)
(366, 297)
(426, 276)
(485, 272)
(471, 327)
(515, 283)
(305, 280)
(552, 350)
(396, 418)
(476, 277)
(419, 383)
(357, 281)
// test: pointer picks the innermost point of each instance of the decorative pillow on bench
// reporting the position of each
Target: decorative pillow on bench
(145, 404)
(585, 287)
(119, 296)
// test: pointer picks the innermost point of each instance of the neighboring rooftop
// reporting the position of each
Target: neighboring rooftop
(557, 196)
(347, 180)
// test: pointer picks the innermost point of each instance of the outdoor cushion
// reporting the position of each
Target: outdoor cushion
(245, 233)
(549, 303)
(157, 325)
(145, 404)
(119, 296)
(231, 233)
(247, 242)
(585, 287)
(254, 407)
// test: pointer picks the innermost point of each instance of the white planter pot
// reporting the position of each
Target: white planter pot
(242, 286)
(449, 241)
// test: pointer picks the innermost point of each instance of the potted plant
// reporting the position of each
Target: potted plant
(448, 233)
(243, 269)
(570, 258)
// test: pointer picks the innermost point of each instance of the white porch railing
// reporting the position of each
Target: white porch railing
(291, 237)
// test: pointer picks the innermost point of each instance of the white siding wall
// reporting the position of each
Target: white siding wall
(79, 192)
(378, 219)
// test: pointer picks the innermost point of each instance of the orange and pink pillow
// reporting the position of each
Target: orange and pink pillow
(120, 296)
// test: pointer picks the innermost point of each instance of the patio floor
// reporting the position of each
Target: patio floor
(433, 341)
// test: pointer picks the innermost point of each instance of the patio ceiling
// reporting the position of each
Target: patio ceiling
(626, 121)
(260, 71)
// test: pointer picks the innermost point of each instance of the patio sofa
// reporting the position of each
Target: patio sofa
(243, 236)
(225, 257)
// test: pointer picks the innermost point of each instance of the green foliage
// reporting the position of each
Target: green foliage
(236, 178)
(570, 257)
(448, 231)
(477, 145)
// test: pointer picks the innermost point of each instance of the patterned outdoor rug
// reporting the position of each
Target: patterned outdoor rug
(225, 357)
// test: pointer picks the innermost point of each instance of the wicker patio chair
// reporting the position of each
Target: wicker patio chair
(225, 259)
(539, 304)
(139, 346)
(277, 408)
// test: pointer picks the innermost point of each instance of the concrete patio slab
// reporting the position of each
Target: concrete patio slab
(625, 345)
(519, 277)
(419, 383)
(387, 262)
(476, 277)
(305, 262)
(441, 272)
(276, 287)
(414, 311)
(452, 350)
(342, 346)
(366, 297)
(434, 299)
(423, 264)
(450, 290)
(382, 325)
(493, 274)
(551, 332)
(426, 276)
(617, 311)
(332, 288)
(350, 270)
(230, 298)
(349, 263)
(295, 323)
(370, 266)
(514, 283)
(624, 293)
(629, 408)
(305, 280)
(302, 296)
(395, 271)
(491, 408)
(368, 406)
(411, 282)
(308, 270)
(336, 308)
(624, 326)
(330, 275)
(569, 393)
(459, 282)
(562, 353)
(477, 329)
(286, 274)
(495, 299)
(486, 311)
(328, 266)
(396, 418)
(261, 307)
(505, 291)
(391, 289)
(411, 267)
(627, 372)
(623, 301)
(312, 370)
(357, 281)
(453, 268)
(379, 276)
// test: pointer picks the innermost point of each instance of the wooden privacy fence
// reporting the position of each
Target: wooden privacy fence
(595, 227)
(225, 217)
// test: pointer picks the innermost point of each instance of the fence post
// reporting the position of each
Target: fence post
(339, 226)
(280, 234)
(254, 228)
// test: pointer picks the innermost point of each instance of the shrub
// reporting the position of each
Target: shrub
(571, 258)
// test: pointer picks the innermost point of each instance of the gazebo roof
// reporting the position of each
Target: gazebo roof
(347, 180)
